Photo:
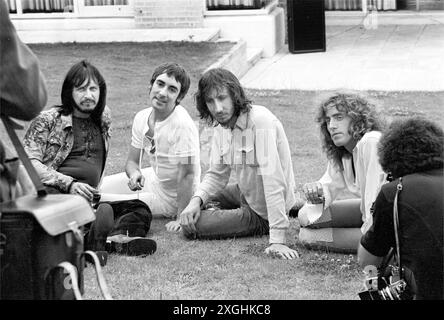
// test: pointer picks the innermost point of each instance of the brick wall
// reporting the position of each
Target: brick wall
(169, 13)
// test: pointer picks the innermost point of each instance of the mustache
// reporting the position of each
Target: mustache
(84, 111)
(88, 100)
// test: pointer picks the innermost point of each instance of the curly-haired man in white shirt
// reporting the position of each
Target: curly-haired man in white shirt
(350, 129)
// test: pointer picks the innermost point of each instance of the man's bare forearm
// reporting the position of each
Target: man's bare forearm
(131, 167)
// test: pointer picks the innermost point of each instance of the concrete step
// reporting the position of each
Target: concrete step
(222, 39)
(240, 58)
(253, 55)
(120, 35)
(235, 60)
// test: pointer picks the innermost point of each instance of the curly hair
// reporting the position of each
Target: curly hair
(364, 118)
(76, 76)
(218, 79)
(411, 145)
(178, 72)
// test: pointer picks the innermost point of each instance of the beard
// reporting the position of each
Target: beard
(84, 110)
(228, 123)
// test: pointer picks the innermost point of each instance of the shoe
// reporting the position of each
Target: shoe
(130, 246)
(102, 255)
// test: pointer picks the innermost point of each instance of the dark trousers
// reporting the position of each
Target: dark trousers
(131, 218)
(97, 231)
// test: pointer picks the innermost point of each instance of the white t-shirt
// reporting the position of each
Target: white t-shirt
(176, 138)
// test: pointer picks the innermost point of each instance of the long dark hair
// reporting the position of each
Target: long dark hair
(217, 79)
(410, 146)
(76, 76)
(364, 119)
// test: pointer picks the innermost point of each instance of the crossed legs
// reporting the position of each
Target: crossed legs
(232, 218)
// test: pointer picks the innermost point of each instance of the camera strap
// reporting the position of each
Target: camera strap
(10, 125)
(396, 227)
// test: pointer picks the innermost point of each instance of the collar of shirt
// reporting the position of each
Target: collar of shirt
(242, 121)
(105, 121)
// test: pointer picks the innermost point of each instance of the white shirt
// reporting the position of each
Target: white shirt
(369, 176)
(257, 150)
(176, 138)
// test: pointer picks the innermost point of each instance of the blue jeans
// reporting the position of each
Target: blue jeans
(232, 217)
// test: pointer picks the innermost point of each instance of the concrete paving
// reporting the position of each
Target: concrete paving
(388, 58)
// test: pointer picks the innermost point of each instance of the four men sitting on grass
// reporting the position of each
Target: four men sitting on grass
(249, 188)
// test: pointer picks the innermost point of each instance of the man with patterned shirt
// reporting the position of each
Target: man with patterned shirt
(251, 143)
(68, 145)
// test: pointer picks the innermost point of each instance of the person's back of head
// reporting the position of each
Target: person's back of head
(412, 149)
(22, 96)
(410, 146)
(22, 85)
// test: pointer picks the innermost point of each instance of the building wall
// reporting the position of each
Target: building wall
(423, 4)
(283, 4)
(169, 13)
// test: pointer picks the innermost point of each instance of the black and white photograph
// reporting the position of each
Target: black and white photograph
(221, 158)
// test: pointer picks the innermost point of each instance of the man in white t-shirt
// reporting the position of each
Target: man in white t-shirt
(167, 134)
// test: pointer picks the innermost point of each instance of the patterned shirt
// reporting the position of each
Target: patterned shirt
(49, 141)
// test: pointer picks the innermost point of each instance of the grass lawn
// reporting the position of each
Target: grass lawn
(223, 269)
